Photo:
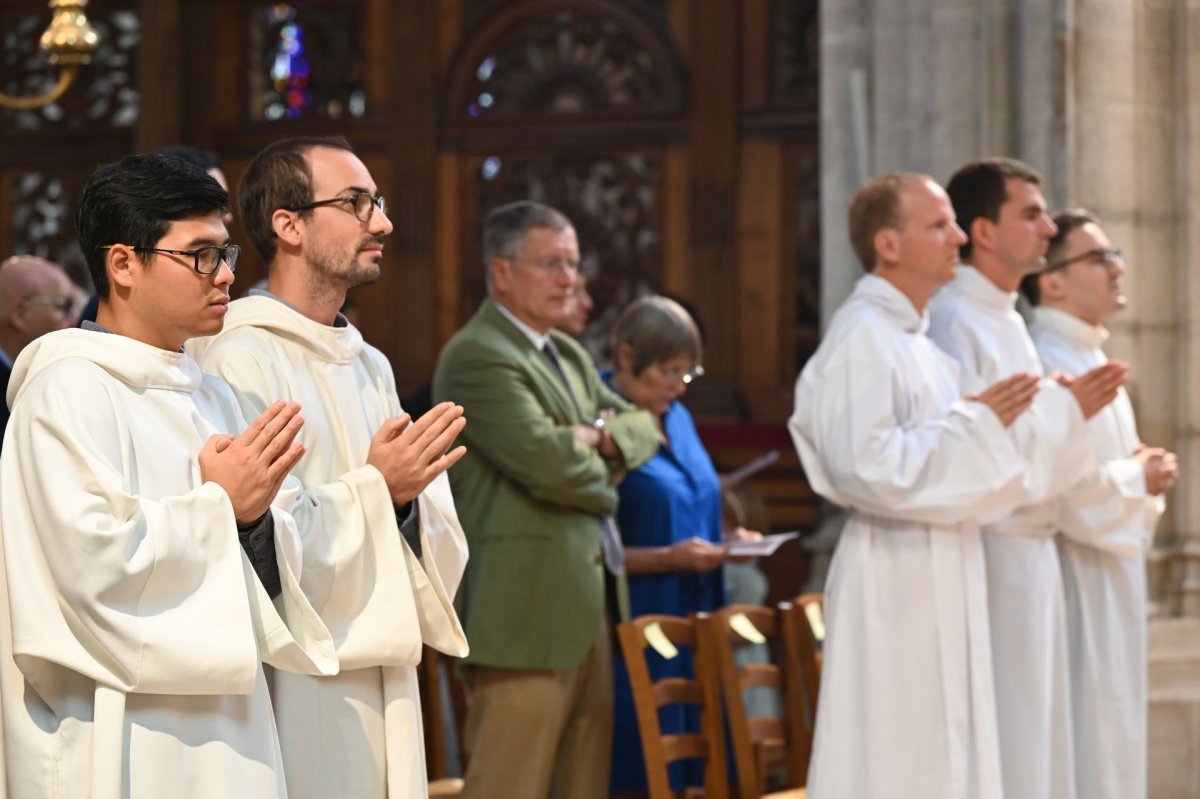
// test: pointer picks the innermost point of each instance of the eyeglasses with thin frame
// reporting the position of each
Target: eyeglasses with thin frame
(688, 376)
(61, 304)
(549, 265)
(1101, 255)
(205, 260)
(364, 205)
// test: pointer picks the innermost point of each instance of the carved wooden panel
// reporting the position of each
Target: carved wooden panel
(42, 218)
(477, 10)
(796, 52)
(806, 249)
(613, 199)
(106, 92)
(549, 59)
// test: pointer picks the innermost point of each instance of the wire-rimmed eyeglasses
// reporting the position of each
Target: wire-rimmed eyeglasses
(205, 260)
(364, 204)
(61, 304)
(1101, 255)
(686, 375)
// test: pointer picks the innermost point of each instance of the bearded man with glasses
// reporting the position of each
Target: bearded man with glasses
(383, 550)
(1106, 522)
(141, 553)
(35, 299)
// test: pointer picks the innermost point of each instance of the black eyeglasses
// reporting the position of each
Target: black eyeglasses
(61, 304)
(205, 260)
(1100, 255)
(364, 205)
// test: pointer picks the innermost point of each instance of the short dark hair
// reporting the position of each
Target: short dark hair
(134, 202)
(205, 159)
(876, 207)
(979, 189)
(657, 329)
(280, 176)
(1066, 222)
(505, 227)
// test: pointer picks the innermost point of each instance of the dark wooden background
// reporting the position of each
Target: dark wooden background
(679, 135)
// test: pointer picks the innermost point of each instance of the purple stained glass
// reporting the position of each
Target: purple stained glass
(306, 61)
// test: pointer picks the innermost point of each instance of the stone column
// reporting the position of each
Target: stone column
(927, 85)
(1133, 160)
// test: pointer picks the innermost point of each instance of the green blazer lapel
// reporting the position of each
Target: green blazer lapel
(536, 363)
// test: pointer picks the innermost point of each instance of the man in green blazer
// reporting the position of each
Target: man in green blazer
(546, 445)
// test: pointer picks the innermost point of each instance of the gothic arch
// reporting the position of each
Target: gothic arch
(568, 64)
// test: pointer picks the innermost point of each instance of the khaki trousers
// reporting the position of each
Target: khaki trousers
(541, 734)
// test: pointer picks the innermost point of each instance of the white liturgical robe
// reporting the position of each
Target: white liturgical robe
(1107, 522)
(977, 323)
(358, 734)
(133, 626)
(907, 706)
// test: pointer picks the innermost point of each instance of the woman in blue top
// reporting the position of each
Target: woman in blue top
(669, 513)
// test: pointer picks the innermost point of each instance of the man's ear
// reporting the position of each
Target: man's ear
(887, 246)
(286, 227)
(19, 317)
(1051, 286)
(624, 357)
(982, 233)
(123, 266)
(500, 270)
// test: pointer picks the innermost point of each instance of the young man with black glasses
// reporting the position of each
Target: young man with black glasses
(1106, 522)
(140, 549)
(383, 550)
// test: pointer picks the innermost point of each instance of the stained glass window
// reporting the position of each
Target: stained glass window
(306, 61)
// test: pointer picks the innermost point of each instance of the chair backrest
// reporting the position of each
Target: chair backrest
(761, 744)
(442, 742)
(803, 624)
(701, 690)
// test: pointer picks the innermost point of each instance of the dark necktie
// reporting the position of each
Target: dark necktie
(610, 539)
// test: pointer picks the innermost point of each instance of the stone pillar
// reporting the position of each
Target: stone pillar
(1181, 133)
(927, 85)
(1134, 159)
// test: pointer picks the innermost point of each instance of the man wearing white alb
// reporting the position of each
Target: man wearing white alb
(882, 427)
(1000, 205)
(1106, 521)
(139, 552)
(382, 547)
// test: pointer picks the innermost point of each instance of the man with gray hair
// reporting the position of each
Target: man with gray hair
(35, 298)
(535, 493)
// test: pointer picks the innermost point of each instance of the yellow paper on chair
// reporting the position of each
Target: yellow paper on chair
(816, 620)
(740, 623)
(658, 641)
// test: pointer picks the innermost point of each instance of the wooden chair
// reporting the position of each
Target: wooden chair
(803, 623)
(660, 750)
(762, 745)
(433, 714)
(809, 637)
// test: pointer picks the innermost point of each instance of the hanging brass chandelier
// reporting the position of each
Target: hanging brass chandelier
(69, 42)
